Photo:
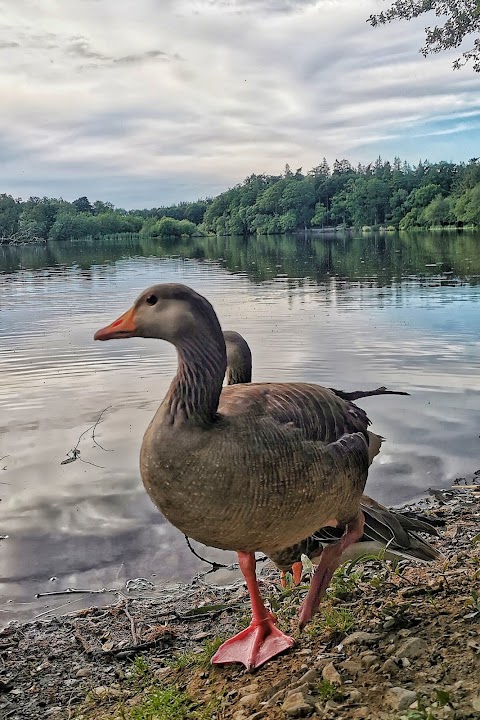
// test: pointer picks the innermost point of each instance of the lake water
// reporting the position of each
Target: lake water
(350, 312)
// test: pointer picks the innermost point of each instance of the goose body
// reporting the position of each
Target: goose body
(248, 467)
(260, 460)
(383, 528)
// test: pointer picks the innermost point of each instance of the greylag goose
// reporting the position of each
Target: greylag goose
(383, 528)
(253, 467)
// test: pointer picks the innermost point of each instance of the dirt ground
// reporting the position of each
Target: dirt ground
(389, 642)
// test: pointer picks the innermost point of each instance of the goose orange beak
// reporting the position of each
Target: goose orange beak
(124, 327)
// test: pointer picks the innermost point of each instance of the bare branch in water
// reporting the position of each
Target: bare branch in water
(74, 453)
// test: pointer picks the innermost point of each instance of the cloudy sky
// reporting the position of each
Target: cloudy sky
(145, 102)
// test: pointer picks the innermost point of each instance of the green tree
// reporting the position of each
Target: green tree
(9, 214)
(462, 19)
(298, 197)
(367, 201)
(437, 212)
(38, 215)
(82, 204)
(320, 216)
(467, 206)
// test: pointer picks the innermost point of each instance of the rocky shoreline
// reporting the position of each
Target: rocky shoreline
(389, 642)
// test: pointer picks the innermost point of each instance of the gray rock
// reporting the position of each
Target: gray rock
(399, 698)
(248, 689)
(354, 695)
(361, 638)
(250, 700)
(352, 667)
(298, 704)
(331, 674)
(390, 666)
(309, 677)
(412, 648)
(476, 702)
(369, 659)
(84, 672)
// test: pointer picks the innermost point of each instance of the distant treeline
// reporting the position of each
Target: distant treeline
(393, 195)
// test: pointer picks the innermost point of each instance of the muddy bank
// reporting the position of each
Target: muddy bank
(389, 642)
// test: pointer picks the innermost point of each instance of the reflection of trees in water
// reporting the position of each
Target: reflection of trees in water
(374, 258)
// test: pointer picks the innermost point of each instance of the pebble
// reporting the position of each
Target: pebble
(368, 659)
(249, 689)
(412, 648)
(361, 712)
(476, 703)
(298, 704)
(161, 673)
(309, 677)
(352, 667)
(399, 698)
(102, 691)
(83, 672)
(239, 715)
(250, 700)
(390, 666)
(361, 638)
(331, 674)
(354, 695)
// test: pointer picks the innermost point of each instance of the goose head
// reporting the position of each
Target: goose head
(170, 312)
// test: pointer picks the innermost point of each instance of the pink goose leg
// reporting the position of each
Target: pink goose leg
(329, 561)
(262, 640)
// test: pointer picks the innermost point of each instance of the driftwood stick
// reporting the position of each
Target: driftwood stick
(75, 591)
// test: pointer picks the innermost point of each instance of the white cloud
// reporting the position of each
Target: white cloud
(155, 102)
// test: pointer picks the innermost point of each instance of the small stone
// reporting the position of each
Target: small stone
(298, 705)
(304, 688)
(162, 673)
(390, 666)
(352, 667)
(369, 659)
(405, 662)
(399, 698)
(250, 700)
(361, 712)
(103, 691)
(249, 689)
(83, 672)
(361, 638)
(354, 695)
(239, 715)
(412, 648)
(331, 674)
(309, 677)
(476, 702)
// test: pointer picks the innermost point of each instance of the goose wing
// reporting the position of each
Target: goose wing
(317, 412)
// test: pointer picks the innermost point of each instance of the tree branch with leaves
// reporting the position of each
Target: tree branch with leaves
(461, 19)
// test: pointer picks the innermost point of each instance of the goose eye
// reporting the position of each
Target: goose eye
(152, 299)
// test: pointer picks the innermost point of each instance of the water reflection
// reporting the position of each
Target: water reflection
(352, 312)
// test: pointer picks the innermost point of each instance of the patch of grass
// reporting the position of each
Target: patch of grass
(340, 620)
(328, 691)
(168, 704)
(140, 669)
(344, 582)
(200, 659)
